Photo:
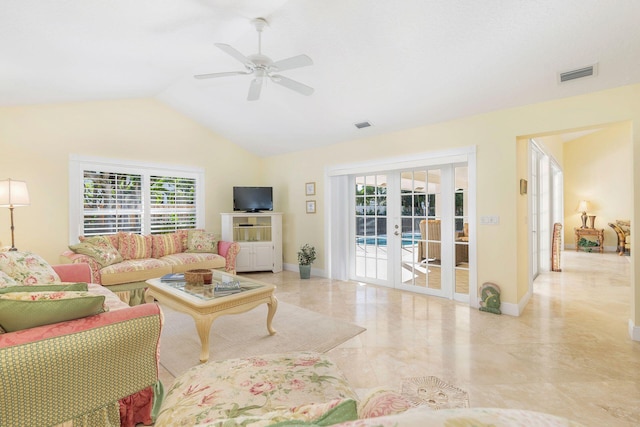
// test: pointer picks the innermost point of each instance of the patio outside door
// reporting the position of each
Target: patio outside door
(411, 230)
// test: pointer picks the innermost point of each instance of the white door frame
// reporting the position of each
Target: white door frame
(337, 205)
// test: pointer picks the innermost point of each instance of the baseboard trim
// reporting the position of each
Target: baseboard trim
(634, 331)
(523, 302)
(516, 310)
(319, 272)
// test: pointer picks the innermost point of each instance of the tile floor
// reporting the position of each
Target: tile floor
(568, 354)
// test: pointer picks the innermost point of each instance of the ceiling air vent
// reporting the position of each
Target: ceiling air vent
(362, 125)
(590, 71)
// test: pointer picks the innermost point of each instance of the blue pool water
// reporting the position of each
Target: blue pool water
(408, 239)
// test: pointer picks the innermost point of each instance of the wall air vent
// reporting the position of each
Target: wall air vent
(590, 71)
(362, 125)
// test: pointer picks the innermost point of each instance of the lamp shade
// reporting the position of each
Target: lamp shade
(13, 193)
(583, 206)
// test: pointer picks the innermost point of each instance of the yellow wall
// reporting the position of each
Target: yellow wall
(36, 142)
(552, 145)
(598, 168)
(495, 135)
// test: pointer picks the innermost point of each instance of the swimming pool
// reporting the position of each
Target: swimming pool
(408, 239)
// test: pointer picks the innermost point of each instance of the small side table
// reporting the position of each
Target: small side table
(598, 233)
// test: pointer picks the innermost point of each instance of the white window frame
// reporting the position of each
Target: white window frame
(78, 164)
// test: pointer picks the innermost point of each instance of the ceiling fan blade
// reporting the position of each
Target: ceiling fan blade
(236, 54)
(292, 84)
(255, 89)
(291, 63)
(213, 75)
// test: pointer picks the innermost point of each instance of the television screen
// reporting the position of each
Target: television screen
(252, 199)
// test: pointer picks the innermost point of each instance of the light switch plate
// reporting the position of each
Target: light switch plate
(489, 220)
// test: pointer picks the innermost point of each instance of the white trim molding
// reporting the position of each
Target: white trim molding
(78, 164)
(318, 272)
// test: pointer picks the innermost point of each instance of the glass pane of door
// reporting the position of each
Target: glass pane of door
(412, 211)
(421, 263)
(370, 245)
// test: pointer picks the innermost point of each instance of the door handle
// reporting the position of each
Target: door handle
(396, 233)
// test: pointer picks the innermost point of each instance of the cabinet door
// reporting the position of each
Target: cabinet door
(263, 256)
(244, 258)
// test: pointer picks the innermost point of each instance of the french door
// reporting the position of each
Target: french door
(546, 207)
(410, 229)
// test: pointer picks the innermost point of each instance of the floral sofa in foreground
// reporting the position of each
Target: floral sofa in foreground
(307, 389)
(124, 261)
(98, 366)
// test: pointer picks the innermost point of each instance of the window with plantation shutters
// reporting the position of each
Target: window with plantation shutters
(112, 202)
(107, 196)
(173, 204)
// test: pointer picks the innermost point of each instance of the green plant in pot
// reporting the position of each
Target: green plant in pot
(306, 256)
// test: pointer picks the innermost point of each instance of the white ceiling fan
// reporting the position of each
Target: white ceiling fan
(262, 67)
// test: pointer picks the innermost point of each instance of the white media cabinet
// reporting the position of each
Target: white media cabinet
(260, 239)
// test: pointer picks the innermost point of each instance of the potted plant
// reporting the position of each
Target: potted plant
(306, 256)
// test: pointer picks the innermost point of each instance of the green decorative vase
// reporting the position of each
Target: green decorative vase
(305, 271)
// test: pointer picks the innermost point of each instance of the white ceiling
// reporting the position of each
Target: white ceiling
(397, 64)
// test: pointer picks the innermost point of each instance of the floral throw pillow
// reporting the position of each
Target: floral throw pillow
(27, 268)
(381, 402)
(201, 241)
(135, 246)
(6, 281)
(98, 248)
(112, 238)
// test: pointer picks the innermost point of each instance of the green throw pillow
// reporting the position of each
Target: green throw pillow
(18, 314)
(61, 287)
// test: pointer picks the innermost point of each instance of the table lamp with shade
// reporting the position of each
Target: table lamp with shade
(583, 207)
(13, 193)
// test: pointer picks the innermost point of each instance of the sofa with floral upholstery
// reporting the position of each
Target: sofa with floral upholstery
(124, 261)
(71, 352)
(307, 389)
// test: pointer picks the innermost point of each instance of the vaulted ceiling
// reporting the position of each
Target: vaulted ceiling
(396, 64)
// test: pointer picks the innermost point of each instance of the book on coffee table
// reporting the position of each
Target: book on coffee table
(173, 277)
(227, 288)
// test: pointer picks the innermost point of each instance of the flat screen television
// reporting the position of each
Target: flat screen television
(252, 199)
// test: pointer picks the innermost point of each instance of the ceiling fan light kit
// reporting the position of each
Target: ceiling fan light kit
(262, 67)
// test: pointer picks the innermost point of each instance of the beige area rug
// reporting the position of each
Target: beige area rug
(434, 392)
(243, 335)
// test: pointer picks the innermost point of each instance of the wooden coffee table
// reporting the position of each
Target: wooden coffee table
(201, 303)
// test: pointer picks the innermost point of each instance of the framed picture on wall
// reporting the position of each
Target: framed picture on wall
(311, 206)
(310, 188)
